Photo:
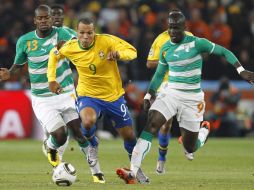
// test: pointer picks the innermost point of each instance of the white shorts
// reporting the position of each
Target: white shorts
(55, 111)
(188, 107)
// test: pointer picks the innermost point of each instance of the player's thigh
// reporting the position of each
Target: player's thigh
(89, 109)
(191, 111)
(118, 112)
(166, 127)
(68, 107)
(166, 104)
(46, 111)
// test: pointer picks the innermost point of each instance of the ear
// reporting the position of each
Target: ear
(35, 20)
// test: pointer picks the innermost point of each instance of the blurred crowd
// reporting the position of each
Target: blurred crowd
(227, 22)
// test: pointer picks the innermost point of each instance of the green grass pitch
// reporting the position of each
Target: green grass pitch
(222, 164)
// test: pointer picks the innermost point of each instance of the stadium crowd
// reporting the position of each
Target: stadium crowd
(229, 23)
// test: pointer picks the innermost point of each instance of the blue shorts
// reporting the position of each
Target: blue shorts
(117, 111)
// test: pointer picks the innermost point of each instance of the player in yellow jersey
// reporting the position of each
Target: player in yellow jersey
(99, 86)
(164, 132)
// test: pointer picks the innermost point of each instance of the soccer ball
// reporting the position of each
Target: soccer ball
(64, 174)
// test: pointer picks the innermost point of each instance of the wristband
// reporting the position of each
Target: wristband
(240, 69)
(147, 96)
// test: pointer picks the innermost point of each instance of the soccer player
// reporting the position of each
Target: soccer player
(57, 14)
(55, 112)
(99, 86)
(164, 131)
(182, 96)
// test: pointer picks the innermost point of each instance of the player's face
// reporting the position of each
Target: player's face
(43, 20)
(57, 17)
(176, 31)
(85, 34)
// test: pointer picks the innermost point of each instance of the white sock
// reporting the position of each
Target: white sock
(96, 168)
(202, 135)
(62, 148)
(138, 154)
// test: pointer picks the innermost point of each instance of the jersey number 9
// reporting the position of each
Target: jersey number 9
(92, 68)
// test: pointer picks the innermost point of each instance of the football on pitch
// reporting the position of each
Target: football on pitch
(64, 174)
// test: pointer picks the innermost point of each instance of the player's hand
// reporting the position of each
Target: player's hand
(55, 87)
(248, 76)
(4, 74)
(146, 105)
(113, 55)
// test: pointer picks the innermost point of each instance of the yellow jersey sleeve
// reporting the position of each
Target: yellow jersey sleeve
(126, 51)
(54, 57)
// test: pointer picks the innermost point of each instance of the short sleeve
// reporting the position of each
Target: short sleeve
(204, 46)
(21, 56)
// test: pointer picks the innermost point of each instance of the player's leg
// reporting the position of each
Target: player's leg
(89, 111)
(144, 142)
(163, 138)
(46, 110)
(191, 110)
(161, 111)
(193, 136)
(60, 150)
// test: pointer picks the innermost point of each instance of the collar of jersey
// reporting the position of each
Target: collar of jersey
(87, 47)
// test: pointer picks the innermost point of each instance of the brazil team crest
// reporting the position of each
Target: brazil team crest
(101, 54)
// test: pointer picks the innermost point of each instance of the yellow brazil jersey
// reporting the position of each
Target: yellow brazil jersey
(154, 53)
(98, 77)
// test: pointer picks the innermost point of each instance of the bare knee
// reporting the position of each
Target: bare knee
(88, 117)
(155, 121)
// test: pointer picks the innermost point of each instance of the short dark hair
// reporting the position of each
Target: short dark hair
(43, 8)
(57, 6)
(85, 20)
(176, 15)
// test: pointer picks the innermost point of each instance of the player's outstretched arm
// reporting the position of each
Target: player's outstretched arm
(204, 45)
(245, 74)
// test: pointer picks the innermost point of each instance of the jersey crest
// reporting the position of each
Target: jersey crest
(101, 54)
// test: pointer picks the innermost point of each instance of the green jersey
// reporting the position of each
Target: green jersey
(71, 31)
(184, 61)
(34, 50)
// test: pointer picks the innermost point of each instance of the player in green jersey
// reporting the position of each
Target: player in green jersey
(55, 112)
(57, 13)
(182, 96)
